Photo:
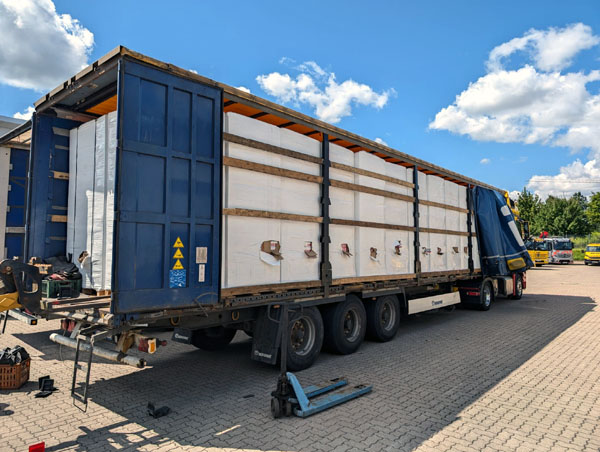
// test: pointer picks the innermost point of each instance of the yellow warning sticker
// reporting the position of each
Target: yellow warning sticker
(178, 243)
(177, 265)
(178, 254)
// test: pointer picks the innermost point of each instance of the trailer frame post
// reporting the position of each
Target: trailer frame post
(325, 270)
(470, 227)
(417, 242)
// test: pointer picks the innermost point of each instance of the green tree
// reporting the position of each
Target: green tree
(593, 211)
(560, 216)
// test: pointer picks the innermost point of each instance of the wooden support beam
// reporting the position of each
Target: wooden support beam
(60, 175)
(270, 148)
(442, 206)
(266, 169)
(275, 215)
(371, 190)
(370, 224)
(372, 174)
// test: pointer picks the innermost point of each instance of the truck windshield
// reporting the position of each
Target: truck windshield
(593, 249)
(566, 245)
(537, 246)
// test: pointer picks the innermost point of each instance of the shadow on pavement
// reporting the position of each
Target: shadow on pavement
(439, 364)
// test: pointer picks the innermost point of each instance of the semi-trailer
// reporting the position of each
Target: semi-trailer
(191, 205)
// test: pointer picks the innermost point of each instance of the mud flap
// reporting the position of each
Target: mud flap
(265, 346)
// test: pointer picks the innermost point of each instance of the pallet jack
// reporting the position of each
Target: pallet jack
(291, 398)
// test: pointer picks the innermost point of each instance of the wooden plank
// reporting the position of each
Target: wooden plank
(266, 169)
(270, 148)
(363, 172)
(370, 224)
(371, 190)
(275, 215)
(58, 218)
(232, 291)
(443, 206)
(444, 273)
(444, 231)
(61, 175)
(359, 279)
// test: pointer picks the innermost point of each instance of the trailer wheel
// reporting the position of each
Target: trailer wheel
(383, 318)
(486, 296)
(211, 339)
(518, 288)
(346, 325)
(305, 339)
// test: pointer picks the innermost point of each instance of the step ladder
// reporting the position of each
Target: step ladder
(85, 344)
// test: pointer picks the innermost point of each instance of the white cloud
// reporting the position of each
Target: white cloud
(26, 115)
(319, 89)
(244, 89)
(40, 48)
(535, 103)
(380, 141)
(514, 195)
(485, 161)
(193, 71)
(551, 50)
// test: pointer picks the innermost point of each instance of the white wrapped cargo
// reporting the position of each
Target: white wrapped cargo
(355, 251)
(111, 167)
(342, 252)
(342, 200)
(97, 251)
(82, 214)
(90, 212)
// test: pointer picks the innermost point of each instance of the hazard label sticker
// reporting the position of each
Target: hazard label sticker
(178, 254)
(178, 243)
(178, 265)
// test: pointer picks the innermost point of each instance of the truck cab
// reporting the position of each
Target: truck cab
(538, 251)
(560, 250)
(592, 254)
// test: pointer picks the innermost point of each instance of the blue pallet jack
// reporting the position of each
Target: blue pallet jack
(291, 398)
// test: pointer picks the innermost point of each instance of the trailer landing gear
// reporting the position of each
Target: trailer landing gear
(291, 398)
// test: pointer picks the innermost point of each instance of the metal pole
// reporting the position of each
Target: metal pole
(284, 337)
(99, 351)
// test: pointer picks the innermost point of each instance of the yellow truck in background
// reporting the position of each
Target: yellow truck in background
(592, 254)
(539, 251)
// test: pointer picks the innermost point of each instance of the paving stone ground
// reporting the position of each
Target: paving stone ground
(524, 376)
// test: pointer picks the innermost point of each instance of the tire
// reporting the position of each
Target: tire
(586, 263)
(486, 296)
(383, 318)
(345, 326)
(305, 339)
(518, 288)
(212, 339)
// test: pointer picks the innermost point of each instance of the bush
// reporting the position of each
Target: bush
(578, 254)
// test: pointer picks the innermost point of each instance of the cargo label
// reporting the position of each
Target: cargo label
(177, 274)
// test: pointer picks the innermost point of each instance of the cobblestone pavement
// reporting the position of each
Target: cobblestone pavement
(523, 376)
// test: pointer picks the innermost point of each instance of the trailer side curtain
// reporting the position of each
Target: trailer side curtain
(502, 249)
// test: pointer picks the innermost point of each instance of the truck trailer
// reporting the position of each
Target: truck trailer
(190, 205)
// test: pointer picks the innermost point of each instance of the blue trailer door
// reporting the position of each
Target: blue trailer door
(167, 222)
(17, 195)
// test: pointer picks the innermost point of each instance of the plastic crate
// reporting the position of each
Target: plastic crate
(54, 288)
(14, 376)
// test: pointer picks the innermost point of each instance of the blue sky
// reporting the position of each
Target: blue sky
(420, 55)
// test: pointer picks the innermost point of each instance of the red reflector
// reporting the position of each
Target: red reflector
(473, 294)
(39, 447)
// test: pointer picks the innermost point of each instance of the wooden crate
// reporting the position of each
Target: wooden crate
(14, 376)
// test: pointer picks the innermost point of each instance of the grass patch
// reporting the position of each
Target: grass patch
(578, 254)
